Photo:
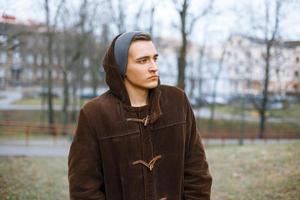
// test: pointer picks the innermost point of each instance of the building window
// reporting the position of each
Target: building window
(39, 73)
(30, 59)
(3, 39)
(55, 60)
(3, 57)
(86, 77)
(54, 74)
(16, 57)
(38, 59)
(16, 44)
(86, 62)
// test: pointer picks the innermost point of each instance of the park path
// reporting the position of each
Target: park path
(43, 147)
(60, 147)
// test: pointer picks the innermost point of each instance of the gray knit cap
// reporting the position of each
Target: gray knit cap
(121, 49)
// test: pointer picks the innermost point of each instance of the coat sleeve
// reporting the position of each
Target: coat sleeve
(197, 178)
(84, 163)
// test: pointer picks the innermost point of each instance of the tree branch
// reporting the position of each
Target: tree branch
(202, 14)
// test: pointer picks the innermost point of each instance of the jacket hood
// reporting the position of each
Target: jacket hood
(117, 87)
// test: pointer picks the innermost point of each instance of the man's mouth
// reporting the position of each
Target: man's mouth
(153, 77)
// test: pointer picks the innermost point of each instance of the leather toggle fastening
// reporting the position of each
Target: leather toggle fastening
(149, 165)
(145, 120)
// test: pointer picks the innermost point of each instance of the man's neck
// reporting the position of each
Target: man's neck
(138, 96)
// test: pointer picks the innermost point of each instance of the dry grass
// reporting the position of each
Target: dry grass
(255, 172)
(33, 178)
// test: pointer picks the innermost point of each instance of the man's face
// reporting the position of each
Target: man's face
(142, 69)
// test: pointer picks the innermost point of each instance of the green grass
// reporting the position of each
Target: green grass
(38, 100)
(260, 172)
(232, 128)
(292, 111)
(22, 137)
(35, 116)
(232, 109)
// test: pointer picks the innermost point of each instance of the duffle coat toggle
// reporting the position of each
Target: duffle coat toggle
(149, 165)
(145, 120)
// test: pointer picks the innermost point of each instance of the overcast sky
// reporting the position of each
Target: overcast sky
(216, 27)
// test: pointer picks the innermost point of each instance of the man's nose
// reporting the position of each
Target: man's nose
(153, 66)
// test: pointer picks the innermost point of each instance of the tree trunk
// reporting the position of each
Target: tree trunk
(181, 63)
(264, 101)
(74, 103)
(181, 70)
(215, 84)
(151, 20)
(43, 92)
(213, 104)
(49, 67)
(66, 100)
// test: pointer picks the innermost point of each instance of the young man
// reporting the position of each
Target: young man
(137, 141)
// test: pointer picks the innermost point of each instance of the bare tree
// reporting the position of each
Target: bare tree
(118, 16)
(50, 34)
(270, 30)
(83, 54)
(122, 20)
(216, 76)
(96, 55)
(187, 22)
(152, 13)
(270, 36)
(144, 12)
(71, 53)
(83, 33)
(197, 74)
(265, 27)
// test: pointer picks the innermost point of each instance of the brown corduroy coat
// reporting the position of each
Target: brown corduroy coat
(152, 152)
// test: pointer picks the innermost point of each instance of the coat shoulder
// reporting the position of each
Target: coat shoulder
(97, 103)
(172, 97)
(174, 93)
(172, 89)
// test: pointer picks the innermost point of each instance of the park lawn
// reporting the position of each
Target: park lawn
(259, 172)
(33, 178)
(232, 129)
(38, 100)
(34, 116)
(291, 111)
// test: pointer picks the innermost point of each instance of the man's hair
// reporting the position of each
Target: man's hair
(142, 37)
(109, 58)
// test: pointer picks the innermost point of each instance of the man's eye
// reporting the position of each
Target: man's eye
(142, 61)
(155, 59)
